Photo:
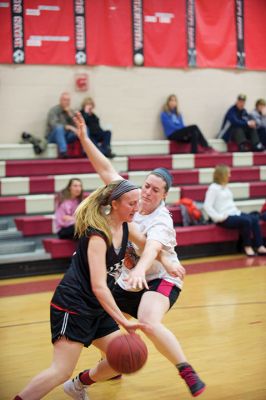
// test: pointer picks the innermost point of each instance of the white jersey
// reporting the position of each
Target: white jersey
(156, 226)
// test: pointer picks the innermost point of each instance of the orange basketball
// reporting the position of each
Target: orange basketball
(127, 353)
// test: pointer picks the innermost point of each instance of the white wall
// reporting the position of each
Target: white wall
(130, 99)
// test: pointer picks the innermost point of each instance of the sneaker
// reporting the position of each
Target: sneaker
(195, 385)
(63, 155)
(110, 155)
(75, 389)
(258, 147)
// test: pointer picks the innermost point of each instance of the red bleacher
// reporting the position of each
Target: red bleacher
(41, 177)
(59, 248)
(186, 236)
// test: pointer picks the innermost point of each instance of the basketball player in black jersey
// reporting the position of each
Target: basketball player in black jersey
(83, 310)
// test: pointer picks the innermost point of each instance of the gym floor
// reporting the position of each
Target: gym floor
(220, 320)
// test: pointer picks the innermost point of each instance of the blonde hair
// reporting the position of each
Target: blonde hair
(87, 100)
(166, 107)
(91, 213)
(220, 174)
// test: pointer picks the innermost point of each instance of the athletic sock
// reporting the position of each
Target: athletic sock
(85, 378)
(180, 366)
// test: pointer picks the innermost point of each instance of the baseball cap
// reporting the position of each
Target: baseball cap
(242, 97)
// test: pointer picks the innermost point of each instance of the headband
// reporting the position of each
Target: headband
(123, 187)
(165, 175)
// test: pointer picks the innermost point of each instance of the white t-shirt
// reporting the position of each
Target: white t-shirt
(219, 203)
(156, 226)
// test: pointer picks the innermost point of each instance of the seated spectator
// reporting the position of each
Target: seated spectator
(220, 207)
(175, 129)
(66, 203)
(239, 127)
(100, 137)
(60, 126)
(259, 115)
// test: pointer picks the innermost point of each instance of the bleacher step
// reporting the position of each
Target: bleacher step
(10, 233)
(18, 246)
(3, 225)
(37, 255)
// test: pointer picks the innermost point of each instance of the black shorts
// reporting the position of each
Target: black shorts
(80, 328)
(128, 302)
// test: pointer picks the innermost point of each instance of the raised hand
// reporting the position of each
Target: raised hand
(81, 130)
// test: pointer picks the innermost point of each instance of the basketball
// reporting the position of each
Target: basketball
(127, 353)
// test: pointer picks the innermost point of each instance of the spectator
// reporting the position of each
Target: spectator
(100, 137)
(220, 207)
(66, 203)
(175, 130)
(259, 115)
(60, 126)
(239, 127)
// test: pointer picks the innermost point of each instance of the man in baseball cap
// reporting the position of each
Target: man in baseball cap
(239, 127)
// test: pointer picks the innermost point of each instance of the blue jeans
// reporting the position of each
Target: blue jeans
(248, 226)
(61, 137)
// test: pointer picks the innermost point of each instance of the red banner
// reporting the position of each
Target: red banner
(216, 33)
(49, 32)
(109, 32)
(5, 32)
(255, 33)
(156, 33)
(164, 33)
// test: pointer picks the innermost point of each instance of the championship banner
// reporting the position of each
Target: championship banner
(49, 32)
(164, 33)
(137, 25)
(80, 32)
(255, 10)
(17, 31)
(191, 33)
(239, 15)
(6, 53)
(109, 32)
(216, 34)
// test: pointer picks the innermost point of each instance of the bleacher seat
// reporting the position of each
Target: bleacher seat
(196, 235)
(28, 184)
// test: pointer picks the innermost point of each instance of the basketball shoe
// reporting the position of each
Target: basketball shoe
(75, 389)
(194, 383)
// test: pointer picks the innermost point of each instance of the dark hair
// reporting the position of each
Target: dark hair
(65, 194)
(165, 175)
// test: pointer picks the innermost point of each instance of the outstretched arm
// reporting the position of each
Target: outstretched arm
(100, 163)
(136, 278)
(174, 268)
(137, 275)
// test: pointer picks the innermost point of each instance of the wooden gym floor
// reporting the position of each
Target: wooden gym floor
(220, 320)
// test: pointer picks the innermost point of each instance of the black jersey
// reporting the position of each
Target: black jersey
(74, 292)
